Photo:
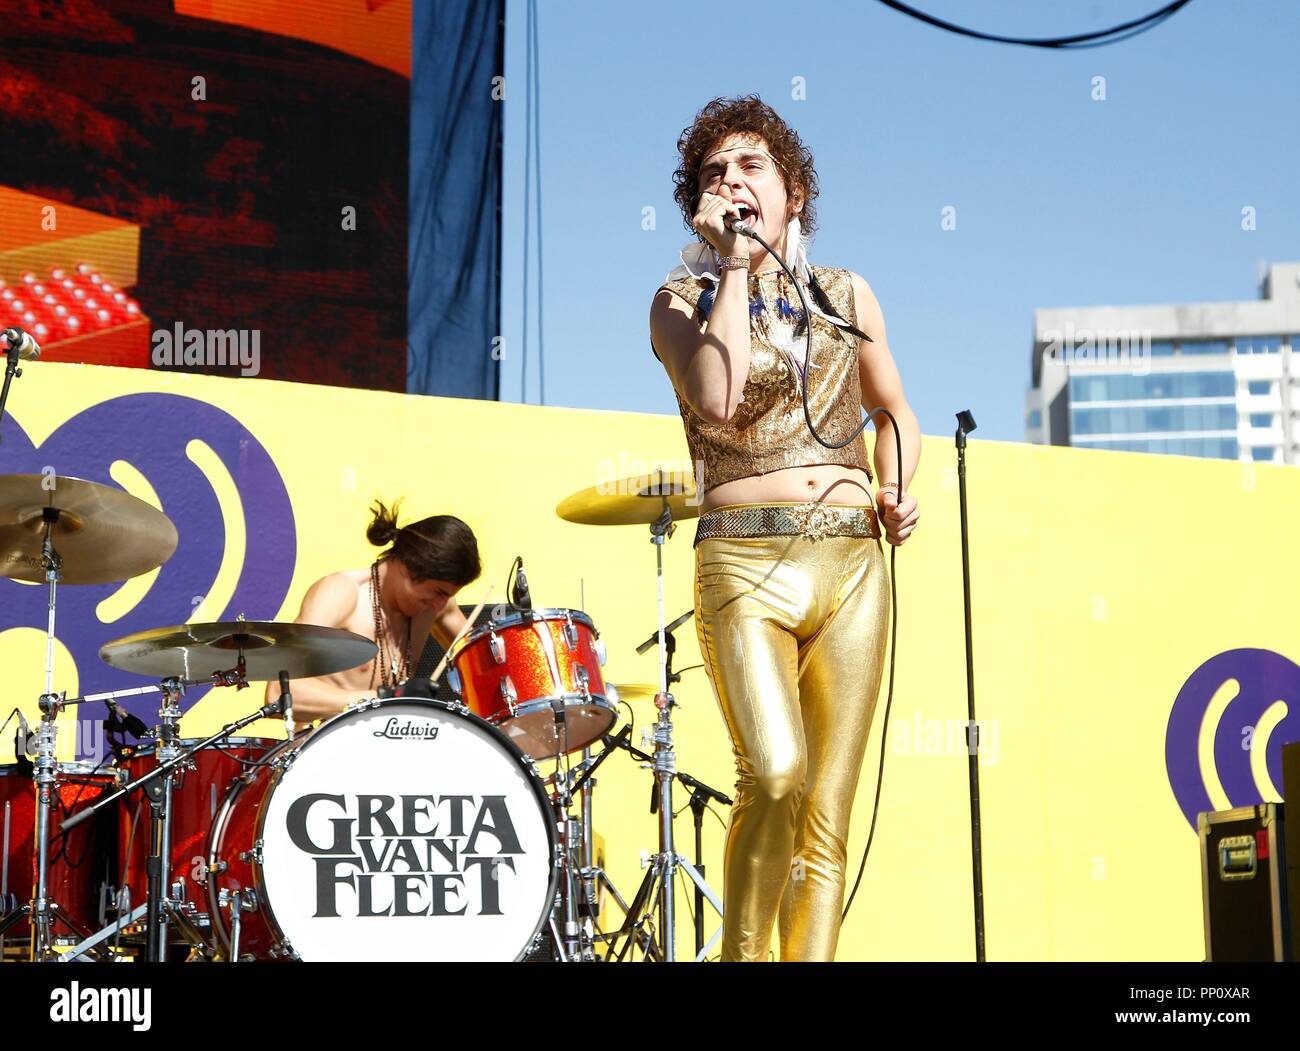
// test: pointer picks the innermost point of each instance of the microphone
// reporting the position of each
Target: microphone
(28, 348)
(734, 224)
(519, 594)
(22, 744)
(128, 722)
(286, 705)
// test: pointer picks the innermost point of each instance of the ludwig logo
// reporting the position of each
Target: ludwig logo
(1226, 731)
(410, 730)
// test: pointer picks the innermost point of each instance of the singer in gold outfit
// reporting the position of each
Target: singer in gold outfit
(791, 582)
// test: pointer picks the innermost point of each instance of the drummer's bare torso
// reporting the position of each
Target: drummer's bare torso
(345, 600)
(831, 483)
(361, 621)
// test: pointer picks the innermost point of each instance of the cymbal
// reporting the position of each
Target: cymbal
(102, 534)
(194, 651)
(637, 500)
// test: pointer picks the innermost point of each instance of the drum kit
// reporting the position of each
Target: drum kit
(408, 827)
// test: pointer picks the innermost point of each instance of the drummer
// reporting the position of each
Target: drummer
(405, 596)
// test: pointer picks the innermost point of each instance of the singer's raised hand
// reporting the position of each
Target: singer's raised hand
(709, 224)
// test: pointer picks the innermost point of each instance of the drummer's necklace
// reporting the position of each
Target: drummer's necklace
(386, 661)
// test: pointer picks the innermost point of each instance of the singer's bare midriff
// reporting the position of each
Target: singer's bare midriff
(831, 483)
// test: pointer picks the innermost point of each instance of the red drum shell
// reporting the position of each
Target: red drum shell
(196, 796)
(70, 880)
(544, 658)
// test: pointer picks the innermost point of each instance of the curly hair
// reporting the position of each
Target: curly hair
(747, 115)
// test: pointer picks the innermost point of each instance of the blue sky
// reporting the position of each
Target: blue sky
(1060, 200)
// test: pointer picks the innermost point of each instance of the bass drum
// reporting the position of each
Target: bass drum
(403, 829)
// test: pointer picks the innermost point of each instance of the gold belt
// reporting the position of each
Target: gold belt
(813, 520)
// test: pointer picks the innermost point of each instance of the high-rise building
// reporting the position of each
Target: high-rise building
(1196, 379)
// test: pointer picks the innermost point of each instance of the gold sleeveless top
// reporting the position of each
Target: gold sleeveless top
(768, 431)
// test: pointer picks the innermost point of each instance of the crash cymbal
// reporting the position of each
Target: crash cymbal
(102, 534)
(637, 500)
(194, 651)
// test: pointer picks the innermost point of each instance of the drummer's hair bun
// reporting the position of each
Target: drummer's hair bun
(383, 526)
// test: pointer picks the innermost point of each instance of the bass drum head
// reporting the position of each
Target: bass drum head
(407, 831)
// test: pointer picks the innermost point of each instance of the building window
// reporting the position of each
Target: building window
(1212, 448)
(1085, 420)
(1261, 419)
(1125, 387)
(1264, 455)
(1035, 418)
(1260, 386)
(1259, 344)
(1204, 346)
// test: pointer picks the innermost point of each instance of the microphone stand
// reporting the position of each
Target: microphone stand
(11, 369)
(965, 424)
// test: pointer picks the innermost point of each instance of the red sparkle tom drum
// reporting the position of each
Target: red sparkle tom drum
(536, 675)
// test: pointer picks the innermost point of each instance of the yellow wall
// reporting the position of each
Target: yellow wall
(1100, 582)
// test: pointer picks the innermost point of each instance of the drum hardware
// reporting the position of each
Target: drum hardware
(164, 909)
(509, 695)
(639, 916)
(656, 499)
(108, 536)
(583, 880)
(263, 649)
(237, 902)
(663, 873)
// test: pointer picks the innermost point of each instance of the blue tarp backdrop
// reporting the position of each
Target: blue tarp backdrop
(454, 258)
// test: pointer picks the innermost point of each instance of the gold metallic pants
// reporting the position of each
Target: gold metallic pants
(793, 631)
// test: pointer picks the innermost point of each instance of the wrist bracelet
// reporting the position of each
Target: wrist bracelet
(887, 485)
(734, 262)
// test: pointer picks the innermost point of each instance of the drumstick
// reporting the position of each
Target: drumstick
(469, 623)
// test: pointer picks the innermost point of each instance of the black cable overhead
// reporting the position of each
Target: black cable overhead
(1080, 40)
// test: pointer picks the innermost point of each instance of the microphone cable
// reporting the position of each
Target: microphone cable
(749, 231)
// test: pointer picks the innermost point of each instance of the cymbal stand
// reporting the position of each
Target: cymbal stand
(660, 882)
(41, 910)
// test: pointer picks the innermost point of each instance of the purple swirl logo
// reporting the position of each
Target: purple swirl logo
(152, 433)
(1258, 683)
